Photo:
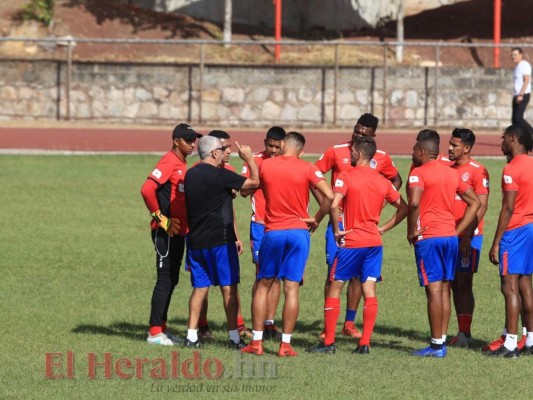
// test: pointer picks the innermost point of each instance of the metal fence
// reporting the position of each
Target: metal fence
(333, 55)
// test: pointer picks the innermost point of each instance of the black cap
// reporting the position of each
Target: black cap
(185, 131)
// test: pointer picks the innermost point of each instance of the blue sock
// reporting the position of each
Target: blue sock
(350, 315)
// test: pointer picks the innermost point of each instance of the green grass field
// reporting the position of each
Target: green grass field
(77, 267)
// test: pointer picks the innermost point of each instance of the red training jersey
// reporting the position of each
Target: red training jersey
(337, 159)
(364, 191)
(169, 192)
(518, 176)
(257, 198)
(285, 181)
(476, 177)
(440, 184)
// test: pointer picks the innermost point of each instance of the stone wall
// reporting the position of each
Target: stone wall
(255, 96)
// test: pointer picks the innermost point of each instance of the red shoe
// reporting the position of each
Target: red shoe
(322, 335)
(351, 331)
(255, 347)
(522, 342)
(285, 350)
(494, 345)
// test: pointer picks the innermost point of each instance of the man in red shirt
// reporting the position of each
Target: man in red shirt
(431, 229)
(512, 247)
(285, 181)
(338, 159)
(164, 196)
(362, 190)
(476, 176)
(273, 146)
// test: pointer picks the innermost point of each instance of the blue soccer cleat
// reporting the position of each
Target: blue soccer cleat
(430, 352)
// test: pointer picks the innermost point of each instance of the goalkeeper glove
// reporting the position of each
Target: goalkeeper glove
(170, 225)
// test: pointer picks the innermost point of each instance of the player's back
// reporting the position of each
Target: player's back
(518, 175)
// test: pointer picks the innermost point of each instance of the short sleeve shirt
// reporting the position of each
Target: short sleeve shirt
(209, 198)
(518, 176)
(364, 191)
(521, 69)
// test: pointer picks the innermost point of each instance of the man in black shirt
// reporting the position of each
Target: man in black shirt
(212, 254)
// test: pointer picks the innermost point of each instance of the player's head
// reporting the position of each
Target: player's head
(226, 142)
(293, 144)
(366, 126)
(274, 141)
(210, 149)
(426, 147)
(517, 54)
(516, 139)
(184, 139)
(461, 143)
(362, 150)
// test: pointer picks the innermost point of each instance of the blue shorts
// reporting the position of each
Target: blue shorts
(516, 251)
(363, 263)
(257, 231)
(284, 254)
(216, 266)
(331, 243)
(435, 259)
(470, 264)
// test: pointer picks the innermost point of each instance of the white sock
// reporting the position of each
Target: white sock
(529, 339)
(286, 338)
(444, 338)
(524, 331)
(234, 335)
(258, 335)
(269, 322)
(437, 341)
(510, 341)
(192, 335)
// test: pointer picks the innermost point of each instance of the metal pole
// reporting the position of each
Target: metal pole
(277, 29)
(69, 77)
(435, 84)
(497, 31)
(201, 83)
(399, 33)
(384, 82)
(335, 84)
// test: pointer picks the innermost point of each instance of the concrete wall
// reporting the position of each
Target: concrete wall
(255, 96)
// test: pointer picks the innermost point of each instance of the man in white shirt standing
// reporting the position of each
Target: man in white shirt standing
(521, 86)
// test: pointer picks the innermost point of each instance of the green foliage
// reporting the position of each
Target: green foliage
(77, 272)
(39, 10)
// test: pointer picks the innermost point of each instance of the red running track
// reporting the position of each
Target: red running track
(159, 140)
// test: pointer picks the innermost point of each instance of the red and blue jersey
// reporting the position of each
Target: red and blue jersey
(518, 176)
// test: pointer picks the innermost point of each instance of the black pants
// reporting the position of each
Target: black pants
(519, 109)
(169, 255)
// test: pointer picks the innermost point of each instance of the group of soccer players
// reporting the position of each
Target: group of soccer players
(447, 198)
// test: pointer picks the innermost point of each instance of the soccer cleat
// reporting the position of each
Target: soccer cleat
(159, 339)
(351, 331)
(527, 351)
(430, 352)
(504, 352)
(236, 346)
(245, 333)
(177, 340)
(461, 340)
(270, 332)
(322, 348)
(285, 350)
(522, 342)
(190, 344)
(494, 345)
(364, 349)
(254, 347)
(205, 333)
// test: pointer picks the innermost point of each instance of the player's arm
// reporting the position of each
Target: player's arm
(413, 213)
(334, 216)
(326, 195)
(508, 202)
(401, 212)
(469, 222)
(246, 173)
(238, 242)
(149, 194)
(245, 153)
(526, 79)
(469, 233)
(396, 181)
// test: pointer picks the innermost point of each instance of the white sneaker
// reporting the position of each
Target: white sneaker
(461, 340)
(176, 339)
(160, 339)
